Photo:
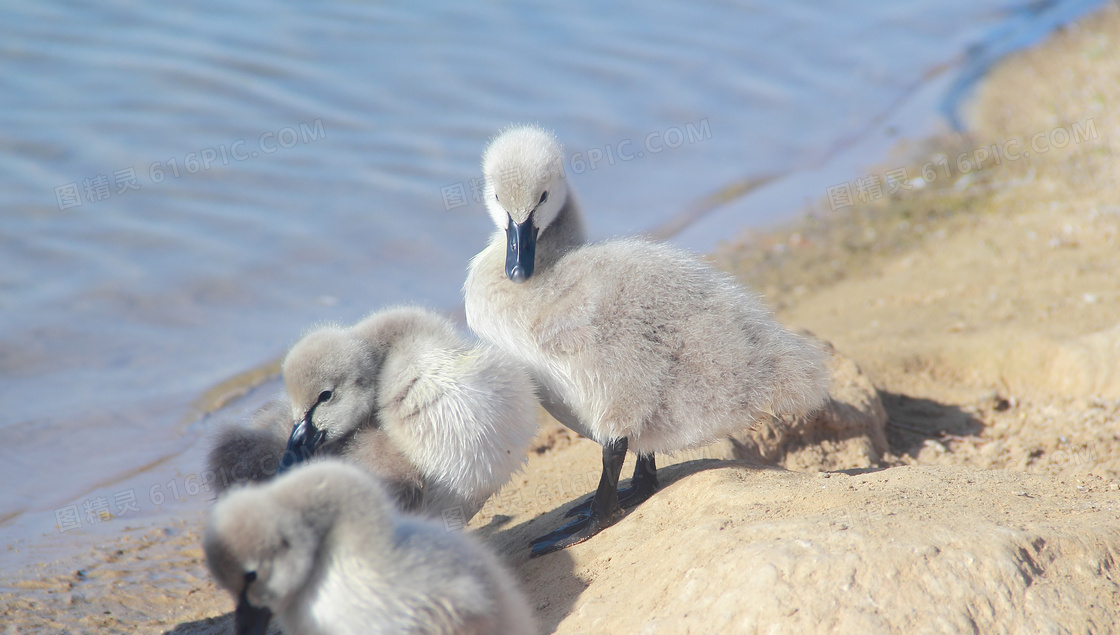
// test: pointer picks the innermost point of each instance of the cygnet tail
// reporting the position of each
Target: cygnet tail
(801, 379)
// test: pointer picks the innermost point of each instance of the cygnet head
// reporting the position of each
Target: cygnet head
(330, 376)
(261, 542)
(525, 190)
(258, 554)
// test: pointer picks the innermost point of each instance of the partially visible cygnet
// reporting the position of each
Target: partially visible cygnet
(252, 453)
(322, 549)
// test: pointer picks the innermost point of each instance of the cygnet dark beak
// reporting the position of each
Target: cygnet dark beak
(248, 619)
(521, 249)
(303, 442)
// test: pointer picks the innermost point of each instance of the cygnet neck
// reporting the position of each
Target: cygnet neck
(564, 234)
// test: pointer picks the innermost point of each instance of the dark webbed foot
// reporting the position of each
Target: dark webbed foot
(570, 534)
(642, 486)
(582, 509)
(602, 510)
(628, 498)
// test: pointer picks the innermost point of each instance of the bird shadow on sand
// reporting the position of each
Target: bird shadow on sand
(911, 421)
(220, 625)
(550, 581)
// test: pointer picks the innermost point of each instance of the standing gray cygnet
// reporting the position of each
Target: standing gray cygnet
(322, 549)
(405, 381)
(633, 343)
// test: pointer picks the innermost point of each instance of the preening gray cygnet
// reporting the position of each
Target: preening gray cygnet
(634, 344)
(404, 381)
(323, 550)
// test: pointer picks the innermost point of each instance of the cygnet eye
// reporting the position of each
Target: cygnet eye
(325, 396)
(544, 197)
(496, 197)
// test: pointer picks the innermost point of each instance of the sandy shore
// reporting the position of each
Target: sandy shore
(983, 306)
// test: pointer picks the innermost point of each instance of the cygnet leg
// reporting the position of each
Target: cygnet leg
(604, 506)
(642, 485)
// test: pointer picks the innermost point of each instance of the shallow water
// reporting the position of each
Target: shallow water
(185, 190)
